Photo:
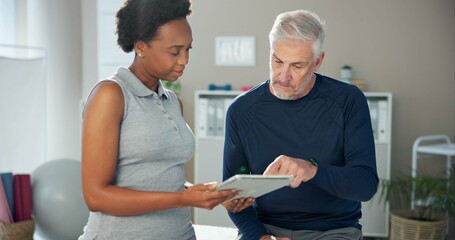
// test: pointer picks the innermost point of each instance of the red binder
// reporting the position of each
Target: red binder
(22, 197)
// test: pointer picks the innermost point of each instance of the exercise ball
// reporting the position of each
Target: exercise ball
(59, 209)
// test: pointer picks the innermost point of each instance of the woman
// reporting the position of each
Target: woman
(135, 140)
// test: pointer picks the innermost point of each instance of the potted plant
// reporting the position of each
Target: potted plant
(434, 201)
(175, 86)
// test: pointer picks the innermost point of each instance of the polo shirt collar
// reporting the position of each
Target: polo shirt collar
(137, 87)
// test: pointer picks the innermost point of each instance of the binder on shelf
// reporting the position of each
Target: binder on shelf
(211, 114)
(22, 197)
(382, 120)
(220, 114)
(7, 179)
(202, 114)
(373, 105)
(227, 102)
(5, 212)
(211, 118)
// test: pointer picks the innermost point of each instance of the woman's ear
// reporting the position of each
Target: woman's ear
(139, 48)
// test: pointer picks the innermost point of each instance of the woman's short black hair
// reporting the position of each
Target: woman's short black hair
(139, 20)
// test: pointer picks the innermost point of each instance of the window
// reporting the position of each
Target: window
(7, 22)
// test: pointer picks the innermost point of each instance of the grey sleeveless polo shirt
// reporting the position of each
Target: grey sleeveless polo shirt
(155, 142)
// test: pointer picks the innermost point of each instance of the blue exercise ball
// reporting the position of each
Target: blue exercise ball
(59, 209)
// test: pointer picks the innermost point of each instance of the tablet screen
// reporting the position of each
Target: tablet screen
(255, 185)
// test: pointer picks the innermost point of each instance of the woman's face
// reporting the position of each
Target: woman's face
(166, 55)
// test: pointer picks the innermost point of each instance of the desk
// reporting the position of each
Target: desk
(206, 232)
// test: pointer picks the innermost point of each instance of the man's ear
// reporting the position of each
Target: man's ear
(319, 61)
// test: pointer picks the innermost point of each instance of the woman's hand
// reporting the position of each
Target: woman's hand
(206, 196)
(237, 205)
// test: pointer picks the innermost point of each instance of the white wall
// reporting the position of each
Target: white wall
(89, 46)
(56, 27)
(101, 54)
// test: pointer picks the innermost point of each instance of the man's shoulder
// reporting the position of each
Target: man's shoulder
(327, 83)
(334, 88)
(250, 97)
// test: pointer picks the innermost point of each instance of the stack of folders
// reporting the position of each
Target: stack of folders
(15, 198)
(212, 114)
(379, 116)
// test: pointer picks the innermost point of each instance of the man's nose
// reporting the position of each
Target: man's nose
(285, 74)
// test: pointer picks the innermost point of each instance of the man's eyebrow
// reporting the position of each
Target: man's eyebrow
(293, 63)
(273, 54)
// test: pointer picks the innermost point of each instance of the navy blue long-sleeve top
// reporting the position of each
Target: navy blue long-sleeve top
(332, 125)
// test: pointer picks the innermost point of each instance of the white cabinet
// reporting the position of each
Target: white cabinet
(210, 109)
(208, 162)
(375, 213)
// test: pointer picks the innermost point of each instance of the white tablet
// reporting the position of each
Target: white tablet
(255, 185)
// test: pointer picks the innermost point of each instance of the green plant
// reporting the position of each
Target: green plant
(434, 195)
(175, 86)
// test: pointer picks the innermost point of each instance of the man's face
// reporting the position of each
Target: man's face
(292, 68)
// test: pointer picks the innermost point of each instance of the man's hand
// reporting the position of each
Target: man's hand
(301, 169)
(237, 205)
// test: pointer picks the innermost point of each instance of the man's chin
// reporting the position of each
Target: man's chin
(283, 95)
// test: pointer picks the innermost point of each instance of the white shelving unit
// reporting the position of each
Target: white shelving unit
(375, 213)
(431, 145)
(208, 162)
